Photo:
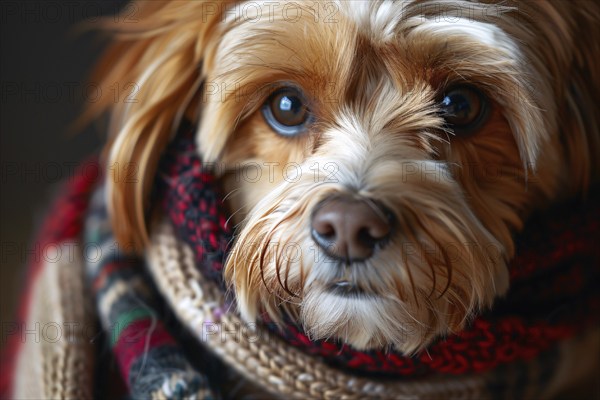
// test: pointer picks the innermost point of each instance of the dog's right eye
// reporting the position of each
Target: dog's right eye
(286, 112)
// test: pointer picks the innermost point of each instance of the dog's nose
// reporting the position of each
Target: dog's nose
(350, 229)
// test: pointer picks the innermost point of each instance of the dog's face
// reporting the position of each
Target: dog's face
(378, 155)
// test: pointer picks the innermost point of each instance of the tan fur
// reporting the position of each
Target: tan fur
(373, 79)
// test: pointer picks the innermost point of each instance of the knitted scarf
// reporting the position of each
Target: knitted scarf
(554, 299)
(554, 280)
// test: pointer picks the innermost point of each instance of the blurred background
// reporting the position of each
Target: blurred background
(45, 58)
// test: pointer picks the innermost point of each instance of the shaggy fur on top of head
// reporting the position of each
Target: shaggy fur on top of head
(373, 74)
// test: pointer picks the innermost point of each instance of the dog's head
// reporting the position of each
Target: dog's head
(379, 155)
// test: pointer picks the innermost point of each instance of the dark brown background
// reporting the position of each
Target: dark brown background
(44, 62)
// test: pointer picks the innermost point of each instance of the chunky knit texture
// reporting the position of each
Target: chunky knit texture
(530, 338)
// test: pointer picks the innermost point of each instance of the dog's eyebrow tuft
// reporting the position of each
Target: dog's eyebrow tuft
(483, 33)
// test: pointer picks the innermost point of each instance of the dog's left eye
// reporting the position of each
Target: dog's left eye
(464, 108)
(286, 112)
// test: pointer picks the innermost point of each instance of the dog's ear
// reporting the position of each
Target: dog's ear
(150, 77)
(579, 117)
(561, 40)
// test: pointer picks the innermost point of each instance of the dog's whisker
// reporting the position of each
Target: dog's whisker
(231, 193)
(233, 215)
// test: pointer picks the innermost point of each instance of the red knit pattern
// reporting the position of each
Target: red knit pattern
(137, 338)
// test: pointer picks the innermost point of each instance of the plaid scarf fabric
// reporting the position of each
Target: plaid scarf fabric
(554, 293)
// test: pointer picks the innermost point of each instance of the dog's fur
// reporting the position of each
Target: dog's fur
(373, 73)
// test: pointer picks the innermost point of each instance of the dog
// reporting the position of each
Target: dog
(379, 156)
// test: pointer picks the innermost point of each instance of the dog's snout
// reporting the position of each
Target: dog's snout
(350, 229)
